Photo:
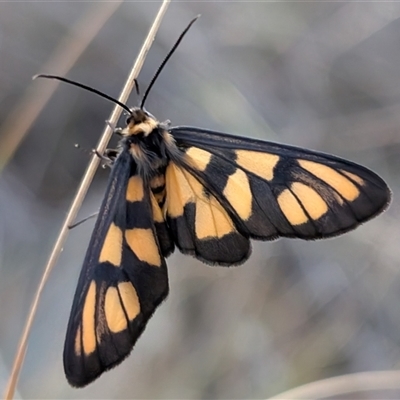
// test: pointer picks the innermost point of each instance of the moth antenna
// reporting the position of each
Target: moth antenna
(160, 68)
(88, 88)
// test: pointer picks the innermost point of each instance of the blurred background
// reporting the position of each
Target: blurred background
(321, 75)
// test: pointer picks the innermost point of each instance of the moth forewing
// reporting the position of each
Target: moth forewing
(113, 302)
(273, 190)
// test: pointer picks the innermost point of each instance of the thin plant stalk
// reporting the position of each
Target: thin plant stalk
(80, 195)
(344, 385)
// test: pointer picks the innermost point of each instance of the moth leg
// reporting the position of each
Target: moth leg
(83, 220)
(114, 128)
(108, 157)
(166, 124)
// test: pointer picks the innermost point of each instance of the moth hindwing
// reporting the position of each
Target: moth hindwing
(207, 193)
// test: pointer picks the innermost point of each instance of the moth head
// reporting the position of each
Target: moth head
(139, 122)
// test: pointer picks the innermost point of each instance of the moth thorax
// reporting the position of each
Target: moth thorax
(147, 156)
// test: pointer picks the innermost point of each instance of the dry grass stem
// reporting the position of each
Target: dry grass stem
(81, 193)
(344, 385)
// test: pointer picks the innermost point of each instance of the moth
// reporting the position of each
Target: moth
(206, 193)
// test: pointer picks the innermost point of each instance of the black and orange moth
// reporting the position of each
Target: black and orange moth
(206, 193)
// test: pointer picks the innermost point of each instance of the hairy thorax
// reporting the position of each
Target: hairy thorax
(150, 144)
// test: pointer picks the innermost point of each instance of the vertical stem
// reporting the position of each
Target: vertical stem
(80, 195)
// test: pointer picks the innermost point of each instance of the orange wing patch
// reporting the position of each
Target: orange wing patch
(211, 219)
(344, 186)
(260, 164)
(134, 191)
(143, 243)
(130, 299)
(237, 191)
(88, 321)
(115, 316)
(112, 247)
(121, 303)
